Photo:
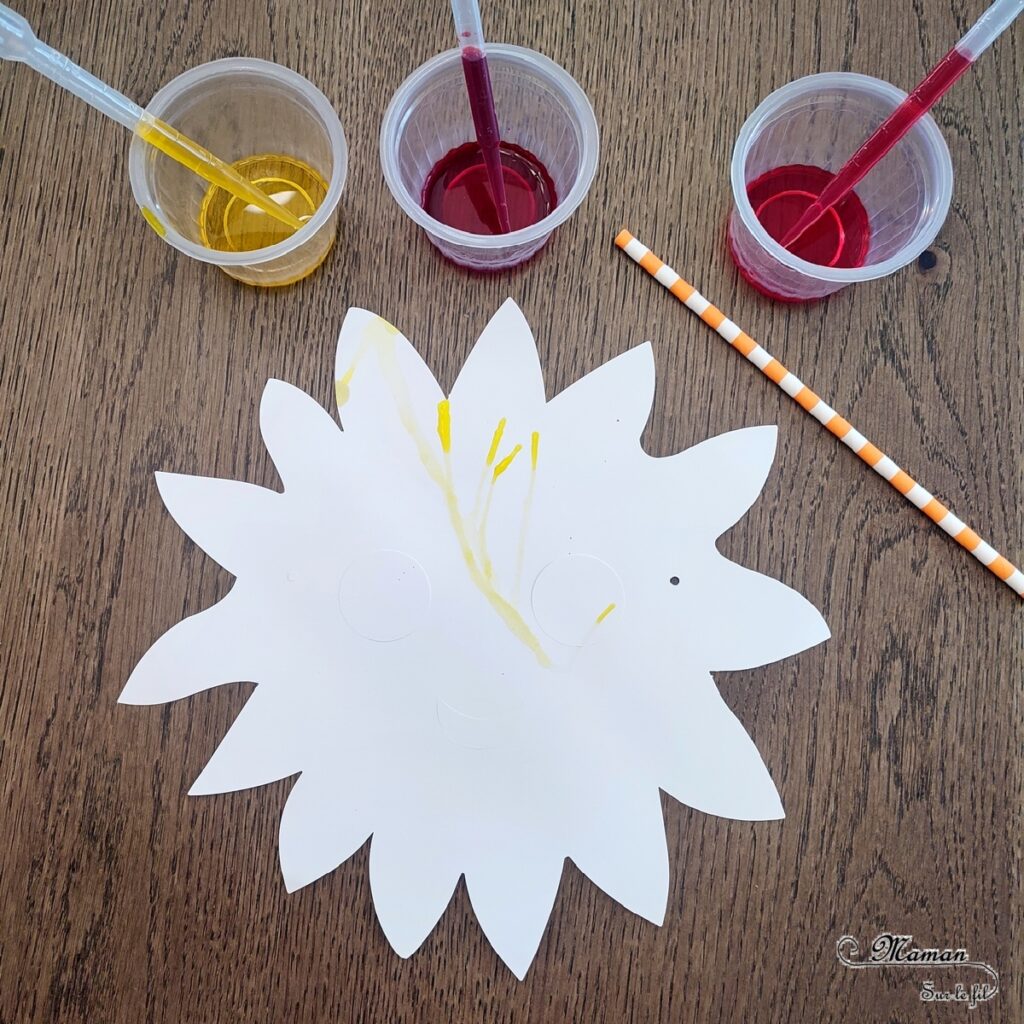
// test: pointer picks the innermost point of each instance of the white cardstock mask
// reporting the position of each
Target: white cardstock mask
(483, 630)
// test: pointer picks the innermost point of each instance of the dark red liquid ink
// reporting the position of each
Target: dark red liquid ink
(485, 123)
(457, 190)
(888, 133)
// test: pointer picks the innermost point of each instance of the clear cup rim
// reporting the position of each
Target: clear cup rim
(582, 108)
(268, 69)
(810, 84)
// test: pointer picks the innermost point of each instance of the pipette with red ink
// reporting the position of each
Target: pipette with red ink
(481, 100)
(980, 36)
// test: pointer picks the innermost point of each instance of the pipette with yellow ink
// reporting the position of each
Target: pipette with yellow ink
(19, 43)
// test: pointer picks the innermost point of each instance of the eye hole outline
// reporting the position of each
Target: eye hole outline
(674, 580)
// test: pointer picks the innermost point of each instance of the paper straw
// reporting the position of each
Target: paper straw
(823, 413)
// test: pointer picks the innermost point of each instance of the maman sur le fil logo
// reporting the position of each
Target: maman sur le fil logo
(949, 970)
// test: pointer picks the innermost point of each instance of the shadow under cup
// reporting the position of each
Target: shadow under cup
(821, 120)
(239, 108)
(540, 107)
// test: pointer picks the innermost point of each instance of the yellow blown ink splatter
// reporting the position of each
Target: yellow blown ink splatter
(380, 337)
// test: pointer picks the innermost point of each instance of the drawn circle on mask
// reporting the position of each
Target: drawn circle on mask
(574, 597)
(384, 595)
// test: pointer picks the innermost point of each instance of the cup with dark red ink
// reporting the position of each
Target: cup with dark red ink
(435, 170)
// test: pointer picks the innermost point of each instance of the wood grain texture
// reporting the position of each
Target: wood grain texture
(896, 746)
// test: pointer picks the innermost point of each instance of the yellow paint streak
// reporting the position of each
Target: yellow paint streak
(534, 450)
(506, 462)
(444, 425)
(153, 221)
(342, 386)
(604, 615)
(474, 516)
(380, 335)
(381, 332)
(500, 468)
(524, 532)
(506, 611)
(482, 534)
(496, 440)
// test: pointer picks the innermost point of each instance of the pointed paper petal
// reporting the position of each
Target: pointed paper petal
(202, 651)
(609, 407)
(228, 519)
(503, 363)
(321, 827)
(728, 471)
(512, 890)
(713, 764)
(412, 878)
(263, 745)
(621, 848)
(300, 435)
(380, 379)
(751, 619)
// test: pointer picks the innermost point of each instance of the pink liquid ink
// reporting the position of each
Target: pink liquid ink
(889, 132)
(838, 239)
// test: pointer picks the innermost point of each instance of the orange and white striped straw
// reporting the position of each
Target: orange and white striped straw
(822, 412)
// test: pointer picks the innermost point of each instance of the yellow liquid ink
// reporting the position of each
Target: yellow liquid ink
(184, 151)
(230, 224)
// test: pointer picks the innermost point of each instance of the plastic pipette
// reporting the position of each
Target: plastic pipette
(979, 37)
(470, 32)
(19, 43)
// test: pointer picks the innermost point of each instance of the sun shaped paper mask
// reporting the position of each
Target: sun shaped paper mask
(482, 629)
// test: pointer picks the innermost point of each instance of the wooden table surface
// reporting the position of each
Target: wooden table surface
(896, 746)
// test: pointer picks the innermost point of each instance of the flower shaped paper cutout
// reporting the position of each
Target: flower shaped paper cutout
(483, 629)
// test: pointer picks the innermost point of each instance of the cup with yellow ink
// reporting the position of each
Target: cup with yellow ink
(279, 132)
(239, 163)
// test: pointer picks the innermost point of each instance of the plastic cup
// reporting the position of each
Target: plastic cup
(540, 107)
(821, 120)
(239, 108)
